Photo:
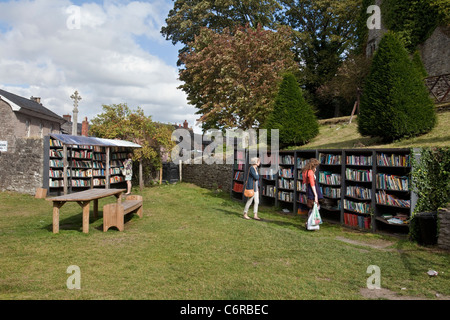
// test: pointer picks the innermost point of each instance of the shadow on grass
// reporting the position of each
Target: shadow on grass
(75, 222)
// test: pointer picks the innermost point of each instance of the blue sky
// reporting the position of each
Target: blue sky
(116, 55)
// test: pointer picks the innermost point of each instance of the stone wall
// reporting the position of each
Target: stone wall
(209, 176)
(444, 228)
(22, 168)
(434, 52)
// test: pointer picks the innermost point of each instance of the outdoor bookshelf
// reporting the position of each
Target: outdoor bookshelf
(268, 179)
(329, 176)
(70, 167)
(364, 189)
(286, 181)
(240, 168)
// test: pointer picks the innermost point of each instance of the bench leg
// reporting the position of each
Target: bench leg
(113, 217)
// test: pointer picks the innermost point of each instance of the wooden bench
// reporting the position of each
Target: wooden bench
(114, 214)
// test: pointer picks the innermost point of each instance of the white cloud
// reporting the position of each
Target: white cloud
(104, 59)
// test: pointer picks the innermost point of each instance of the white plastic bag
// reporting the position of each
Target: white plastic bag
(314, 219)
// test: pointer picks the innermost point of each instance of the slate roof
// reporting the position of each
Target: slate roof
(30, 105)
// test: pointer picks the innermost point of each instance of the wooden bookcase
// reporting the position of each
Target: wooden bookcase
(364, 189)
(72, 168)
(268, 179)
(240, 168)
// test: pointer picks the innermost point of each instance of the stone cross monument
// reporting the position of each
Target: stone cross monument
(75, 97)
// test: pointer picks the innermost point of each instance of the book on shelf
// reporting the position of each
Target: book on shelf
(56, 153)
(359, 160)
(286, 173)
(358, 175)
(285, 183)
(388, 199)
(269, 191)
(327, 177)
(286, 196)
(394, 160)
(239, 175)
(55, 143)
(238, 187)
(358, 192)
(82, 173)
(56, 163)
(302, 198)
(301, 186)
(334, 159)
(359, 207)
(331, 192)
(81, 154)
(286, 159)
(301, 163)
(392, 182)
(268, 173)
(355, 220)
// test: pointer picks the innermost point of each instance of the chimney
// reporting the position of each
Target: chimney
(36, 99)
(85, 127)
(185, 124)
(67, 117)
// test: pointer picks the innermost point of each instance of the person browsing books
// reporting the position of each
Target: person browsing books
(313, 192)
(252, 183)
(128, 169)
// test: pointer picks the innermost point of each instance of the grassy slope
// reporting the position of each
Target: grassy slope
(344, 135)
(194, 244)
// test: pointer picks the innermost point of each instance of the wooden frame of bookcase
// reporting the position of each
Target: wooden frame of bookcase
(66, 178)
(337, 216)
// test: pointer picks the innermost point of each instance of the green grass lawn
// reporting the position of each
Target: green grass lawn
(194, 244)
(345, 135)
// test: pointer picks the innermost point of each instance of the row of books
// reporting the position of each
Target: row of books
(358, 175)
(56, 183)
(302, 198)
(55, 143)
(286, 173)
(286, 183)
(268, 173)
(359, 160)
(331, 192)
(238, 175)
(116, 163)
(330, 158)
(327, 177)
(383, 198)
(398, 218)
(99, 149)
(100, 156)
(359, 207)
(301, 162)
(358, 192)
(98, 165)
(80, 183)
(394, 160)
(238, 187)
(81, 164)
(56, 163)
(355, 220)
(116, 179)
(286, 160)
(99, 182)
(82, 154)
(56, 153)
(119, 155)
(81, 173)
(75, 146)
(286, 196)
(301, 186)
(392, 182)
(269, 191)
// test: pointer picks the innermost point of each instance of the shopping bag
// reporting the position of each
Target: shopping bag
(314, 219)
(317, 217)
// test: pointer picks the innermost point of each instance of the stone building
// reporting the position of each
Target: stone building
(25, 118)
(23, 124)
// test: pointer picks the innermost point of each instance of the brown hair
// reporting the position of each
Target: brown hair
(311, 164)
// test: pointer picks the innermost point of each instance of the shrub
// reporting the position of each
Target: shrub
(292, 115)
(395, 102)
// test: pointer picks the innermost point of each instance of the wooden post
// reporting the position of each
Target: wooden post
(65, 181)
(107, 168)
(141, 182)
(160, 175)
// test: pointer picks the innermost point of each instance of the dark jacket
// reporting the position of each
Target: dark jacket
(252, 177)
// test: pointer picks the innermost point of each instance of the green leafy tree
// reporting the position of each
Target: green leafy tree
(118, 121)
(188, 17)
(292, 115)
(395, 102)
(232, 77)
(325, 33)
